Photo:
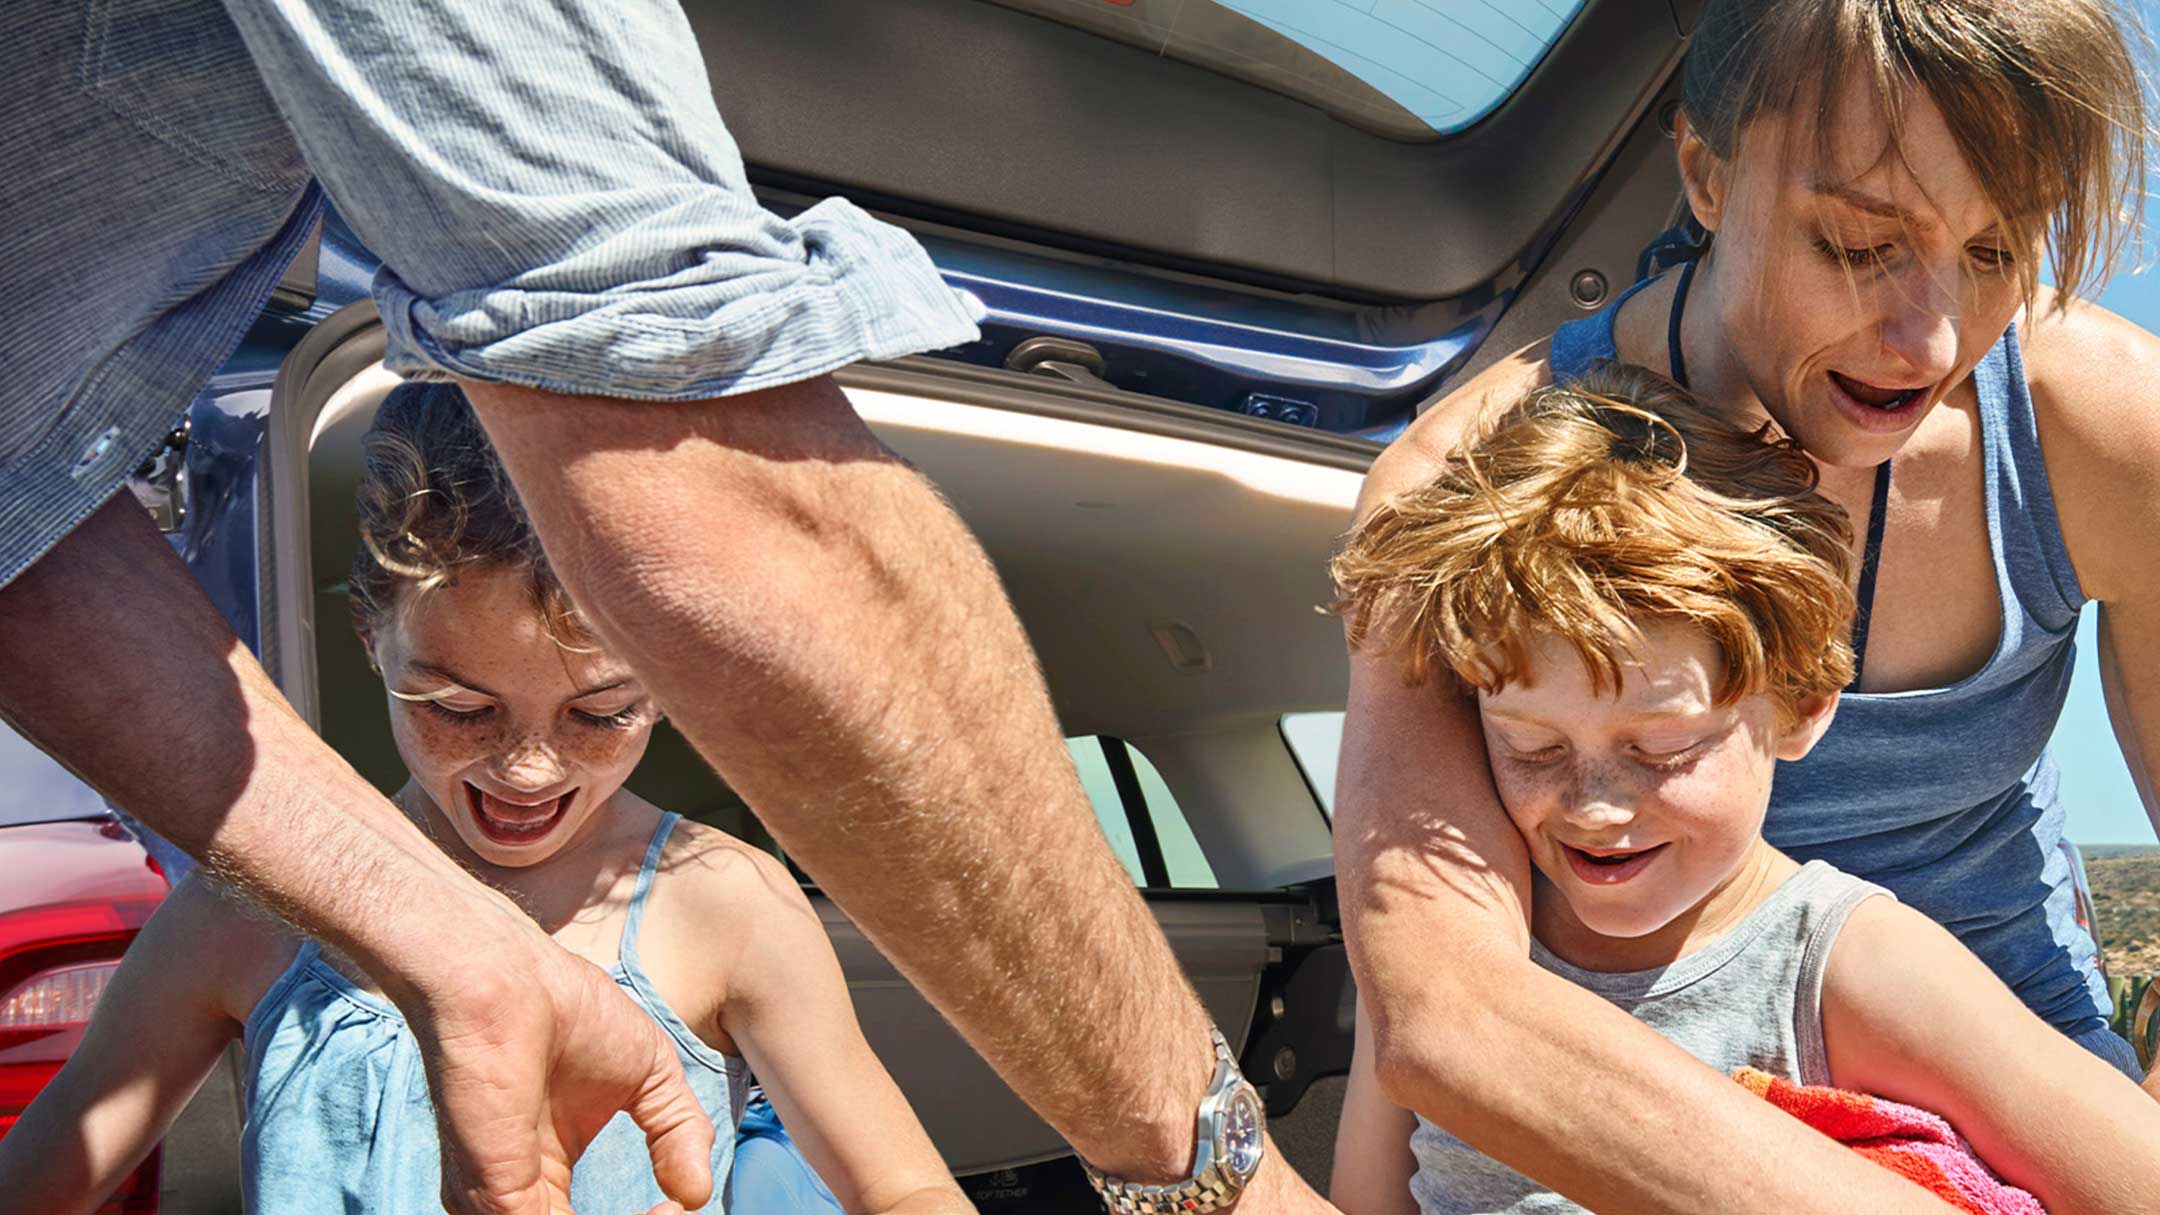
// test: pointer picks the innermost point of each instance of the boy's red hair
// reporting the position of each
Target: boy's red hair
(1587, 509)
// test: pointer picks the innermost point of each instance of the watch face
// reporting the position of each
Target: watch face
(1244, 1131)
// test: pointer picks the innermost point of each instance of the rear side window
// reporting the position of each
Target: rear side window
(36, 789)
(1315, 739)
(1146, 829)
(1406, 69)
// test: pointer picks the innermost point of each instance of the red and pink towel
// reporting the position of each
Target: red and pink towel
(1911, 1142)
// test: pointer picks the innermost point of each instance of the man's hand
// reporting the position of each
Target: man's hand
(527, 1059)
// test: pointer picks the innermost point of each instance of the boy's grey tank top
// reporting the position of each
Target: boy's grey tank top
(1947, 796)
(1752, 998)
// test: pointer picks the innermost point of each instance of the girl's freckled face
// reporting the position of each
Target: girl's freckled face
(517, 741)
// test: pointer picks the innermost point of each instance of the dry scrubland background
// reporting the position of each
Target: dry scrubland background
(2126, 898)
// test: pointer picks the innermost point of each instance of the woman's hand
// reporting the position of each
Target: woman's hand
(529, 1052)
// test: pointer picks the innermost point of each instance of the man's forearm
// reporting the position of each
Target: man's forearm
(822, 627)
(113, 661)
(1546, 1077)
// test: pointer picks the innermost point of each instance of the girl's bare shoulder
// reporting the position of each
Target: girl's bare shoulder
(726, 921)
(728, 889)
(231, 949)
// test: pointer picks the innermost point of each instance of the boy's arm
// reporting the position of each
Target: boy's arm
(1910, 1014)
(156, 1032)
(788, 1011)
(1373, 1164)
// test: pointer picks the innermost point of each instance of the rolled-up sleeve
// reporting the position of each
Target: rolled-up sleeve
(556, 202)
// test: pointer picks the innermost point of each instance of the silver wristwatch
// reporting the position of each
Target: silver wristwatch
(1232, 1135)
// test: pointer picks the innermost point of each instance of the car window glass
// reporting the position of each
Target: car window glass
(37, 788)
(1405, 69)
(1185, 865)
(1314, 740)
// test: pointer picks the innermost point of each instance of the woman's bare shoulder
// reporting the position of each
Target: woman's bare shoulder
(2093, 376)
(1417, 454)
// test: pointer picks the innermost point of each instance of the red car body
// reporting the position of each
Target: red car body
(77, 892)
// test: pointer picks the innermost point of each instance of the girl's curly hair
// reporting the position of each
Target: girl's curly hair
(434, 502)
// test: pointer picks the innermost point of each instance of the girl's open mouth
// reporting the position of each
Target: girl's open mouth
(507, 822)
(1609, 868)
(1876, 408)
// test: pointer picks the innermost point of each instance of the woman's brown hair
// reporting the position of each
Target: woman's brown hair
(434, 502)
(1590, 508)
(2043, 98)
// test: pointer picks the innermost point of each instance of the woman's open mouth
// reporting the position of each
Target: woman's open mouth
(508, 822)
(1874, 407)
(1609, 867)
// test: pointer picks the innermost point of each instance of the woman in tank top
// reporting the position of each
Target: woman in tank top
(1879, 181)
(518, 731)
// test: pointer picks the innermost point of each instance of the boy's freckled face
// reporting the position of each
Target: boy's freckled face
(1639, 806)
(516, 740)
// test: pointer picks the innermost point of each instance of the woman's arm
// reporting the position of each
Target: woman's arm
(2103, 464)
(156, 1032)
(1542, 1075)
(788, 1011)
(1373, 1164)
(1912, 1015)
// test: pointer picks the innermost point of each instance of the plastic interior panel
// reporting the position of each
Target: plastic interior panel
(975, 1120)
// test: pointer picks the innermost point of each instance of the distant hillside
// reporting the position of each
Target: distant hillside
(2099, 850)
(2126, 898)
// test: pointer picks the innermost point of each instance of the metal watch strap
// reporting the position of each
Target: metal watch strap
(1210, 1190)
(1202, 1195)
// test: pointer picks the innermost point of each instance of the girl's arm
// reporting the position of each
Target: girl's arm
(1912, 1015)
(1373, 1164)
(788, 1011)
(156, 1033)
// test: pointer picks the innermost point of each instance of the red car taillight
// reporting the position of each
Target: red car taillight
(55, 960)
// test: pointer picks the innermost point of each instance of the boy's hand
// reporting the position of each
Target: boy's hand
(529, 1052)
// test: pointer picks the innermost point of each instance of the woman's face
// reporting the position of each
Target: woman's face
(1854, 288)
(516, 741)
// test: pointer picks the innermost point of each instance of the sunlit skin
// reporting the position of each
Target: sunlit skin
(1663, 785)
(491, 711)
(1842, 280)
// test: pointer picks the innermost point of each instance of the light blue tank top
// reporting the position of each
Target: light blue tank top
(337, 1112)
(1947, 796)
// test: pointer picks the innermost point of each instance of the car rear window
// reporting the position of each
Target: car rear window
(36, 789)
(1405, 69)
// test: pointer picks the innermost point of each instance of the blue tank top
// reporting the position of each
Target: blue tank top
(1947, 796)
(337, 1110)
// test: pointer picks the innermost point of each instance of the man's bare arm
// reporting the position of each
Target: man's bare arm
(114, 662)
(818, 622)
